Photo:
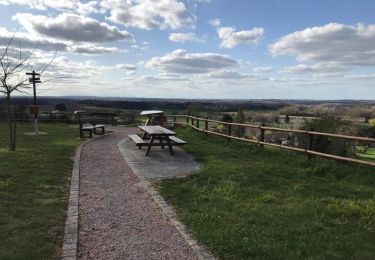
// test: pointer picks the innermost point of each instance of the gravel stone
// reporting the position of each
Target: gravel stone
(117, 217)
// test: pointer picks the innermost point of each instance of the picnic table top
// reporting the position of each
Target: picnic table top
(151, 112)
(156, 130)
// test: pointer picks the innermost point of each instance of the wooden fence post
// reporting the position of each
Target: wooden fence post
(113, 120)
(197, 123)
(311, 142)
(206, 125)
(261, 136)
(174, 119)
(187, 119)
(192, 120)
(229, 131)
(80, 130)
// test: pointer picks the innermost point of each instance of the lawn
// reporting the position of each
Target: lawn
(370, 154)
(247, 202)
(34, 185)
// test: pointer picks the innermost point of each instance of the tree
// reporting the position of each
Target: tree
(324, 144)
(194, 108)
(13, 79)
(60, 107)
(287, 119)
(240, 118)
(227, 118)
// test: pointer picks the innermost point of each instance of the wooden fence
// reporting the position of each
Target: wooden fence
(195, 123)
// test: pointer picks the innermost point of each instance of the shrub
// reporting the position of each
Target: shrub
(60, 107)
(324, 144)
(239, 118)
(367, 131)
(227, 118)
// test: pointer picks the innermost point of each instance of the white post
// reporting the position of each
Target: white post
(36, 126)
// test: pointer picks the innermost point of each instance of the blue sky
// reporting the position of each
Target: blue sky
(279, 49)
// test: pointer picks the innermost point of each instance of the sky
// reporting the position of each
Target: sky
(235, 49)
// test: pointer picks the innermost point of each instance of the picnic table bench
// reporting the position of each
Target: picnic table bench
(165, 137)
(91, 128)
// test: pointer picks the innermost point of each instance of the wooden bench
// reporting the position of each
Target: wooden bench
(177, 141)
(91, 129)
(102, 127)
(141, 142)
(138, 141)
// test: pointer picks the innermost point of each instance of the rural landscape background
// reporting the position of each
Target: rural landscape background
(274, 100)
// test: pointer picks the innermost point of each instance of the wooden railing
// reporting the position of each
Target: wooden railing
(195, 123)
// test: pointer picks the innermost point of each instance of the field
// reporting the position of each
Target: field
(247, 202)
(34, 191)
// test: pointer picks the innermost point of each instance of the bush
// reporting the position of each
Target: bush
(367, 131)
(324, 144)
(227, 118)
(60, 107)
(239, 118)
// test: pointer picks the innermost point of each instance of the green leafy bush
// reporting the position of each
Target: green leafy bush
(239, 118)
(324, 144)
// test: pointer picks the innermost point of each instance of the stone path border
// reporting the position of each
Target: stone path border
(167, 210)
(70, 242)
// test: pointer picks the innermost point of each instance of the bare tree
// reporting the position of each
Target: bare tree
(12, 79)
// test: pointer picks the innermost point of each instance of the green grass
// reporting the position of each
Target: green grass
(370, 154)
(34, 191)
(247, 202)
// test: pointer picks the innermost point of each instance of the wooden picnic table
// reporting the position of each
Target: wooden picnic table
(165, 136)
(153, 114)
(160, 133)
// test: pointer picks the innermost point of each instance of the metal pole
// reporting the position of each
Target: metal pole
(35, 112)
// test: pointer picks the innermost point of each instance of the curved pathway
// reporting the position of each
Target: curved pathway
(117, 217)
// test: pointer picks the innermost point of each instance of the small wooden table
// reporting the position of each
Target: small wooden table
(151, 114)
(160, 133)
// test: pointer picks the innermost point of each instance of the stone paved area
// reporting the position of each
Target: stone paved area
(117, 217)
(159, 164)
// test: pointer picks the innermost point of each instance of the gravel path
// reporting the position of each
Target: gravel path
(118, 219)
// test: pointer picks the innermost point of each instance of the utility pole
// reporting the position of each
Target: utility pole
(35, 78)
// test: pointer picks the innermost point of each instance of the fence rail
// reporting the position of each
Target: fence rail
(194, 122)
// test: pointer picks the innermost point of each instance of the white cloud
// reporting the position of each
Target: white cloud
(316, 68)
(263, 69)
(161, 78)
(64, 5)
(149, 14)
(28, 41)
(92, 49)
(365, 77)
(179, 61)
(126, 66)
(230, 38)
(183, 37)
(215, 22)
(229, 75)
(335, 43)
(71, 27)
(65, 75)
